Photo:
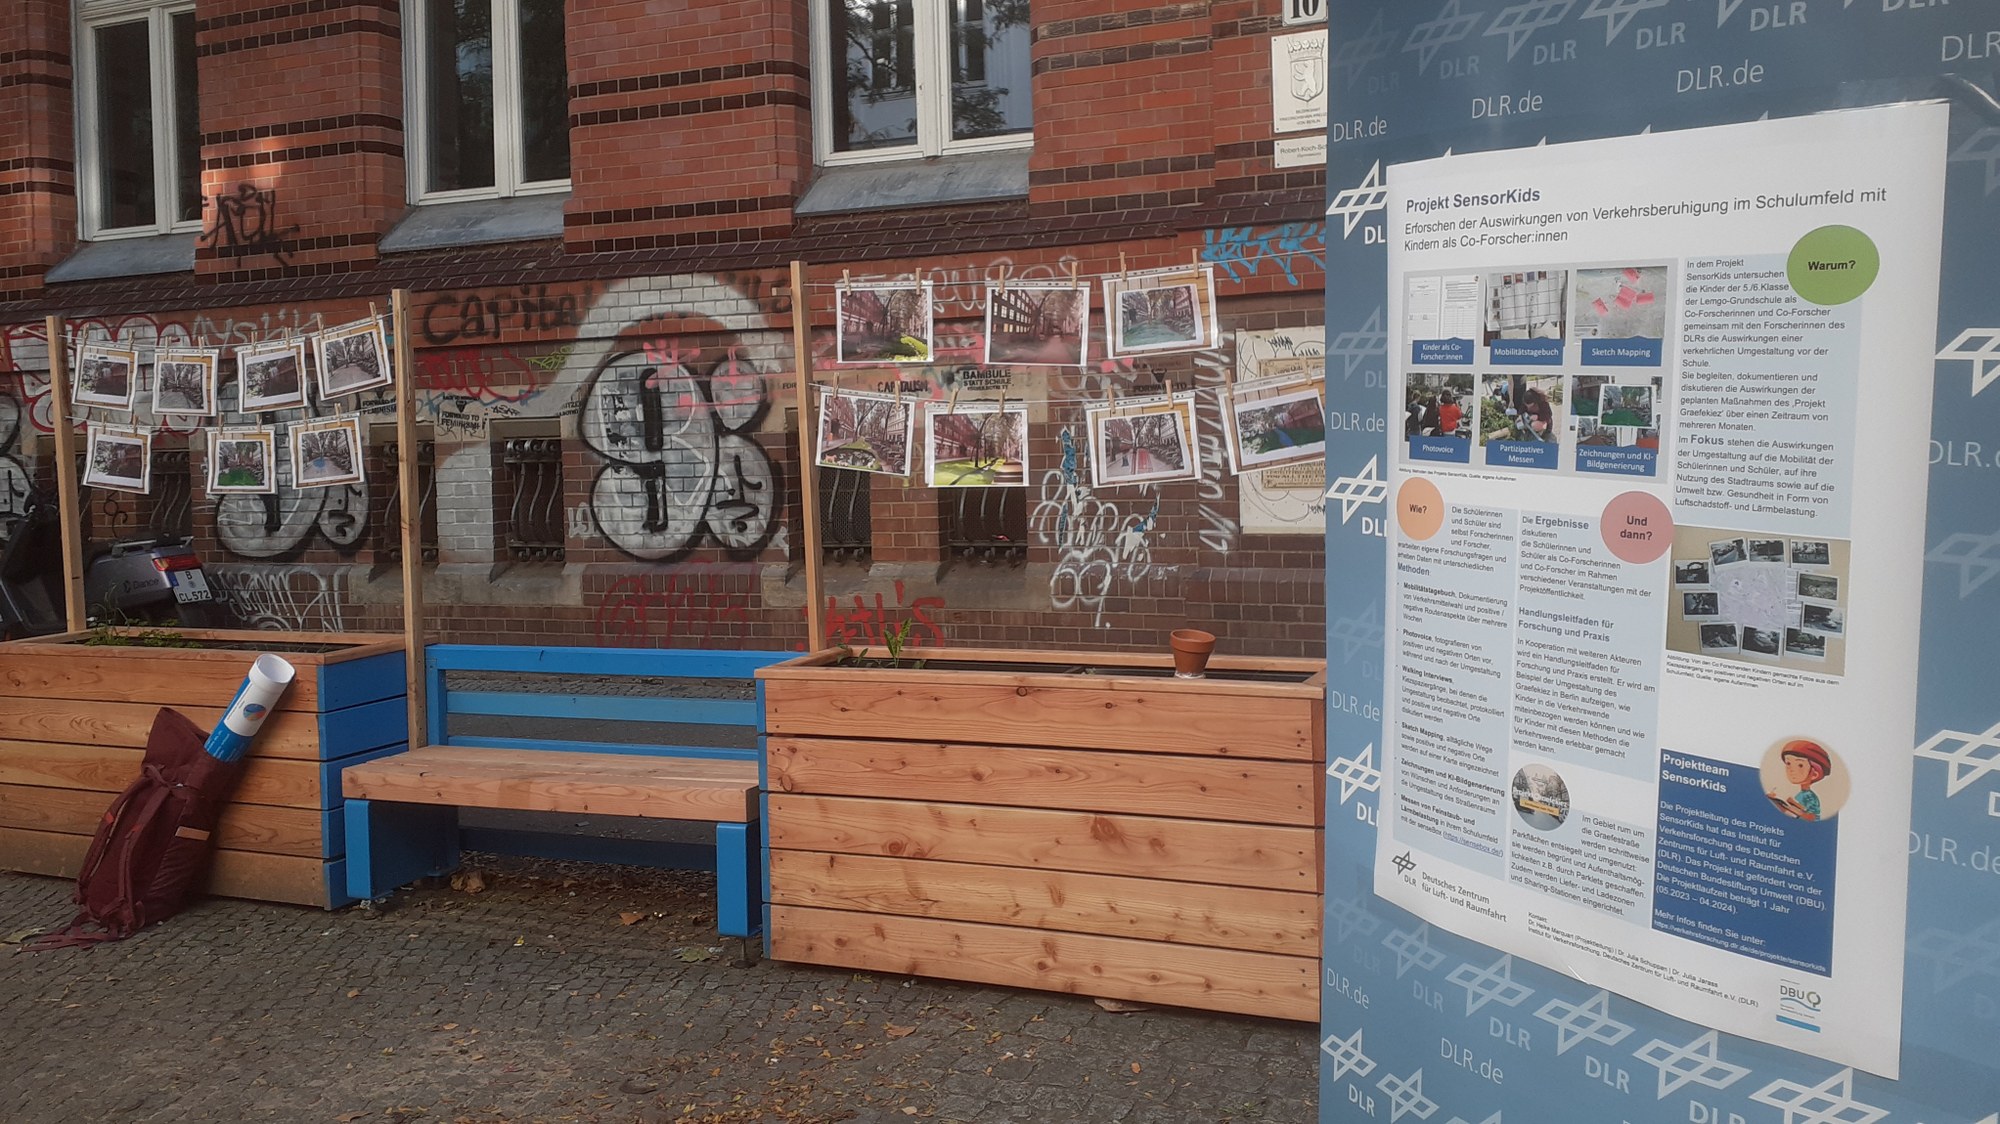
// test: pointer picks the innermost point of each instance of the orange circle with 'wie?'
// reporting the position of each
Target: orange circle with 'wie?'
(1419, 508)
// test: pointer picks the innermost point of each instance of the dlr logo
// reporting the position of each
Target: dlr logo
(1699, 1113)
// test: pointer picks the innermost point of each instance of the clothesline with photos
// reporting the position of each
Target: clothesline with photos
(326, 451)
(1272, 421)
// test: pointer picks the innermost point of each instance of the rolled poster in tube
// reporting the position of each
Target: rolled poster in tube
(268, 678)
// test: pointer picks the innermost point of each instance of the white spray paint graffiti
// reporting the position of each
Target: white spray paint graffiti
(283, 598)
(1099, 542)
(684, 464)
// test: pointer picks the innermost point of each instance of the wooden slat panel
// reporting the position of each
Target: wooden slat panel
(1277, 858)
(623, 708)
(538, 761)
(1237, 790)
(1251, 983)
(1219, 916)
(94, 768)
(244, 827)
(287, 733)
(142, 675)
(431, 776)
(233, 874)
(1031, 658)
(1080, 716)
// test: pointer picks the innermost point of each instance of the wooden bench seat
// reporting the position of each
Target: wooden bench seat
(402, 811)
(533, 780)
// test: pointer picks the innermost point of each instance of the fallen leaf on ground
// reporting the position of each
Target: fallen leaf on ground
(693, 955)
(1121, 1006)
(470, 881)
(629, 917)
(353, 993)
(1135, 1067)
(19, 935)
(894, 1031)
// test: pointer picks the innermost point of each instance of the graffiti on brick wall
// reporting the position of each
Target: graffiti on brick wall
(868, 619)
(1096, 543)
(461, 391)
(15, 482)
(691, 606)
(704, 605)
(284, 524)
(683, 466)
(283, 598)
(244, 224)
(1241, 251)
(483, 315)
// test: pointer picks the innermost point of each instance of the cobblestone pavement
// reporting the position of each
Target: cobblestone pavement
(574, 993)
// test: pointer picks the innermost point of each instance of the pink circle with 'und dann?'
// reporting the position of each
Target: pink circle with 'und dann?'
(1637, 527)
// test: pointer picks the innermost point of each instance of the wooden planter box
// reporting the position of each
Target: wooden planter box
(1001, 818)
(73, 725)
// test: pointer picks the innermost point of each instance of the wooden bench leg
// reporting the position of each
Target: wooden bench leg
(739, 880)
(391, 845)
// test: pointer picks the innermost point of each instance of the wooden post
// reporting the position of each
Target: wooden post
(69, 503)
(808, 473)
(411, 510)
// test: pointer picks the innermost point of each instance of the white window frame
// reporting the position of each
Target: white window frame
(932, 42)
(91, 15)
(507, 155)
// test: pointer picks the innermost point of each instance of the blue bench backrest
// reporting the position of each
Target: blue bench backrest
(667, 663)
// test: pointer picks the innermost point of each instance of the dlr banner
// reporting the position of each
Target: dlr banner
(1663, 547)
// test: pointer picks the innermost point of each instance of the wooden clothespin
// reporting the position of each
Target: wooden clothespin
(951, 407)
(1004, 270)
(1194, 258)
(1123, 273)
(1072, 270)
(846, 278)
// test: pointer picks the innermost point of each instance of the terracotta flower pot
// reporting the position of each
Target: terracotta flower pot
(1191, 650)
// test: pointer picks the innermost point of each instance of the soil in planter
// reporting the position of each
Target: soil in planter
(113, 640)
(1008, 668)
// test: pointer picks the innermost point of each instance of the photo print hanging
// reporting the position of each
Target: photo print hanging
(242, 461)
(352, 358)
(327, 452)
(105, 377)
(1037, 324)
(885, 322)
(184, 380)
(1150, 441)
(271, 376)
(1276, 422)
(1160, 310)
(865, 432)
(984, 445)
(118, 459)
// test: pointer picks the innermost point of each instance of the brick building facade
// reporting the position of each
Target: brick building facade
(594, 205)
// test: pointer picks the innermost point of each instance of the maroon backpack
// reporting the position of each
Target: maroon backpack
(152, 845)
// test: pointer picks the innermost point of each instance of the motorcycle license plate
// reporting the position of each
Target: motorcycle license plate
(190, 586)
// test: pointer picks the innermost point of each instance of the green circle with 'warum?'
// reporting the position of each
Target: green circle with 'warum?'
(1833, 265)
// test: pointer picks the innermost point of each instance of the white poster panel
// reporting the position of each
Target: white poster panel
(1656, 560)
(1298, 82)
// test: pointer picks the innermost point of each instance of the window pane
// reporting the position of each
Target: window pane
(187, 121)
(875, 76)
(124, 125)
(458, 93)
(544, 92)
(989, 68)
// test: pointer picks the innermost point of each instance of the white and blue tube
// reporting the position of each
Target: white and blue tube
(254, 700)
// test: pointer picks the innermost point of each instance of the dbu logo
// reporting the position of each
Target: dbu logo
(1798, 1005)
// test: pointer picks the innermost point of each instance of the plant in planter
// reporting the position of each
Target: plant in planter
(1073, 821)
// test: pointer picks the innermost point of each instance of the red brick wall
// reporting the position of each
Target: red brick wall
(690, 145)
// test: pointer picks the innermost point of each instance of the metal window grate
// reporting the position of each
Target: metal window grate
(845, 533)
(427, 518)
(987, 525)
(533, 467)
(172, 506)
